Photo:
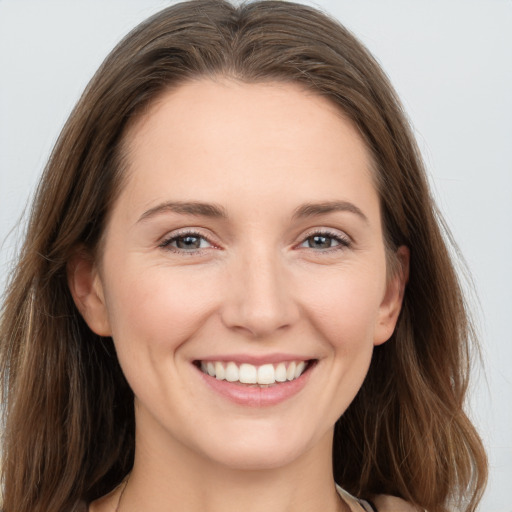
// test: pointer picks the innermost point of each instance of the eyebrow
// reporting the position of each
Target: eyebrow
(194, 208)
(323, 208)
(200, 209)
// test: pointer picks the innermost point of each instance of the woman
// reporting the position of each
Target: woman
(234, 290)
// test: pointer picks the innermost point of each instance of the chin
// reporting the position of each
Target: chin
(256, 458)
(264, 450)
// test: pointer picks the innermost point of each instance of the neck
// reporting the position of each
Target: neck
(170, 476)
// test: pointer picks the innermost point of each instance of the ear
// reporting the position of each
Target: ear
(87, 291)
(393, 297)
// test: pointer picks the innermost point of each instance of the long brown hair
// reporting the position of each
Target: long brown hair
(68, 411)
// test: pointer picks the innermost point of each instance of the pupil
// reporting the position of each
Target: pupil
(188, 242)
(320, 242)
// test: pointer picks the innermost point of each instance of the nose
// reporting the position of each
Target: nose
(259, 297)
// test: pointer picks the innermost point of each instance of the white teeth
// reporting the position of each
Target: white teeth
(280, 372)
(266, 374)
(219, 371)
(248, 374)
(232, 372)
(299, 369)
(290, 372)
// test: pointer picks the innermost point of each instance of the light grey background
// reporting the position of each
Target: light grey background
(451, 62)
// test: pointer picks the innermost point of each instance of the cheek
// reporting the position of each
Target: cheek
(158, 307)
(345, 306)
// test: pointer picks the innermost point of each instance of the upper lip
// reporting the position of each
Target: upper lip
(256, 360)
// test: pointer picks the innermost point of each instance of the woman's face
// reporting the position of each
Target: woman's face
(246, 245)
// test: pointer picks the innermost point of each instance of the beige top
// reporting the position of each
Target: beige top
(382, 502)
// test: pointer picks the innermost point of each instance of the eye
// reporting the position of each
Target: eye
(186, 242)
(325, 240)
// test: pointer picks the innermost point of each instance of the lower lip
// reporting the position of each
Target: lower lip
(256, 396)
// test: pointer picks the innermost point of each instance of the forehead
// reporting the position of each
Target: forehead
(260, 138)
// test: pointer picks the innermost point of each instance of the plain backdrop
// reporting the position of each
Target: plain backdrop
(451, 63)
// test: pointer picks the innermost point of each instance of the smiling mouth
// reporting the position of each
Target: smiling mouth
(248, 374)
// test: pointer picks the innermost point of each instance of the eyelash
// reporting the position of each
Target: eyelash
(166, 243)
(343, 242)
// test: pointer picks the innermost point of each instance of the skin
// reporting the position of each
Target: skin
(258, 285)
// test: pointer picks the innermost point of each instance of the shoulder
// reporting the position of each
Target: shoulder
(381, 502)
(386, 503)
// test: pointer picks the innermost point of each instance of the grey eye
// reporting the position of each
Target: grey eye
(321, 242)
(188, 242)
